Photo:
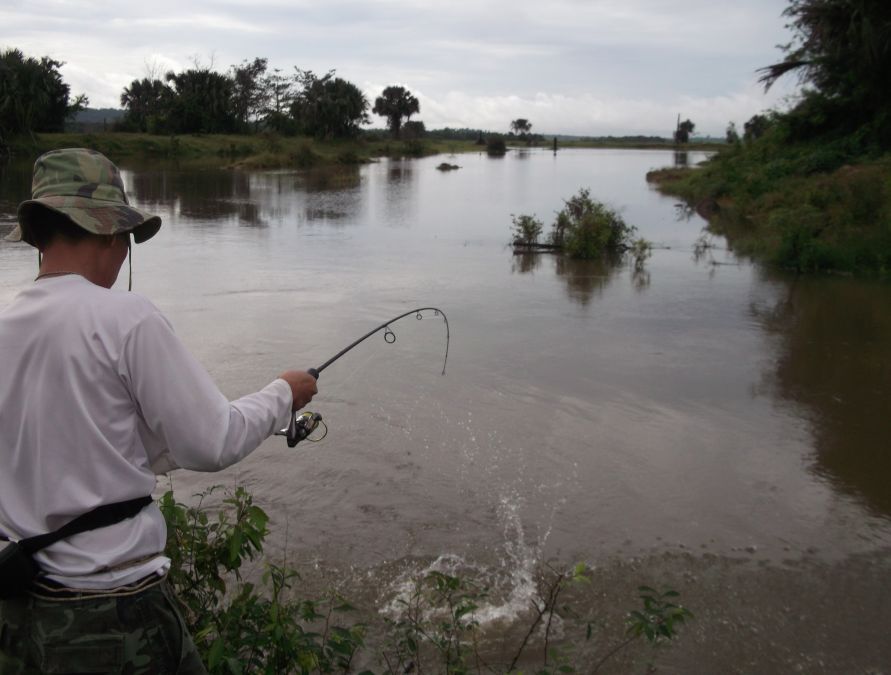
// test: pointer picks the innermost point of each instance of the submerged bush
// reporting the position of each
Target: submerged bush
(527, 229)
(587, 228)
(496, 147)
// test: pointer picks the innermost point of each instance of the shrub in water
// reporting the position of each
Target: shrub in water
(587, 228)
(527, 229)
(495, 147)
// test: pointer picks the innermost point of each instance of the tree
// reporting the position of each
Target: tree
(755, 127)
(521, 127)
(328, 106)
(249, 93)
(394, 104)
(147, 103)
(732, 134)
(842, 48)
(33, 96)
(203, 102)
(414, 130)
(279, 95)
(683, 131)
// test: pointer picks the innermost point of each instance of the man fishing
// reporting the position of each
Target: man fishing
(97, 396)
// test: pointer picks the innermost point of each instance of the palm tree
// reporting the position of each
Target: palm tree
(394, 104)
(842, 48)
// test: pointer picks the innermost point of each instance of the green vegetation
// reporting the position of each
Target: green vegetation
(495, 146)
(240, 627)
(33, 96)
(521, 128)
(584, 229)
(810, 189)
(236, 628)
(247, 99)
(683, 131)
(527, 229)
(808, 206)
(587, 228)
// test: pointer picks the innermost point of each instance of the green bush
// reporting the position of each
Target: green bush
(527, 229)
(236, 627)
(349, 157)
(495, 147)
(305, 157)
(587, 228)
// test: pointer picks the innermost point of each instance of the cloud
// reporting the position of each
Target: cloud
(587, 114)
(203, 22)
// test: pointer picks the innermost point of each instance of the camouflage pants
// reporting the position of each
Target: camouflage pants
(140, 633)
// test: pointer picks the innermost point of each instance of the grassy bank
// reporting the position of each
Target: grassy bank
(259, 151)
(816, 207)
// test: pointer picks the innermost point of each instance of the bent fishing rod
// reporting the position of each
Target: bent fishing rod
(304, 424)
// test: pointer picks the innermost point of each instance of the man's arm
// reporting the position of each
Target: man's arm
(180, 403)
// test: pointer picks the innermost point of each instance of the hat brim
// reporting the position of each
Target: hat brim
(93, 215)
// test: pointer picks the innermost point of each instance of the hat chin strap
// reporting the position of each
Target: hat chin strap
(129, 262)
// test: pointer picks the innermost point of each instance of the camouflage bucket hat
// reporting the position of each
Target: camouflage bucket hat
(87, 188)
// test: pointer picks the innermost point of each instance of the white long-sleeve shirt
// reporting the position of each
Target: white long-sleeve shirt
(97, 396)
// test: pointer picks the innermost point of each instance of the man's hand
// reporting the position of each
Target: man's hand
(303, 387)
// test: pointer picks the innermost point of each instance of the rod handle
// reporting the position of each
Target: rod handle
(313, 372)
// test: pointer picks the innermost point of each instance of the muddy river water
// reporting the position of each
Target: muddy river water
(704, 424)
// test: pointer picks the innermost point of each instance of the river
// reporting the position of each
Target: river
(705, 424)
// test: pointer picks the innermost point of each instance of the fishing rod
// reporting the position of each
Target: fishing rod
(304, 424)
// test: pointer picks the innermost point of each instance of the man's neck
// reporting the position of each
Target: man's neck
(82, 258)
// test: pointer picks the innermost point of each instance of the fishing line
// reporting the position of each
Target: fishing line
(304, 424)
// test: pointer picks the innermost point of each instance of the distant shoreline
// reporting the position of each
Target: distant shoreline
(269, 151)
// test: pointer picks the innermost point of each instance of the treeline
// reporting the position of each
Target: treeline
(251, 97)
(246, 98)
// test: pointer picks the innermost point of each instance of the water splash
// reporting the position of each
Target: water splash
(512, 587)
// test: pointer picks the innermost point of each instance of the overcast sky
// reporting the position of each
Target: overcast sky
(591, 67)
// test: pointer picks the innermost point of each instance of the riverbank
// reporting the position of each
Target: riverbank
(259, 151)
(751, 612)
(805, 615)
(811, 208)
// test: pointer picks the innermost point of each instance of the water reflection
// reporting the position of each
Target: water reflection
(835, 362)
(681, 158)
(525, 262)
(15, 185)
(399, 171)
(332, 195)
(586, 279)
(211, 195)
(640, 279)
(251, 199)
(329, 178)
